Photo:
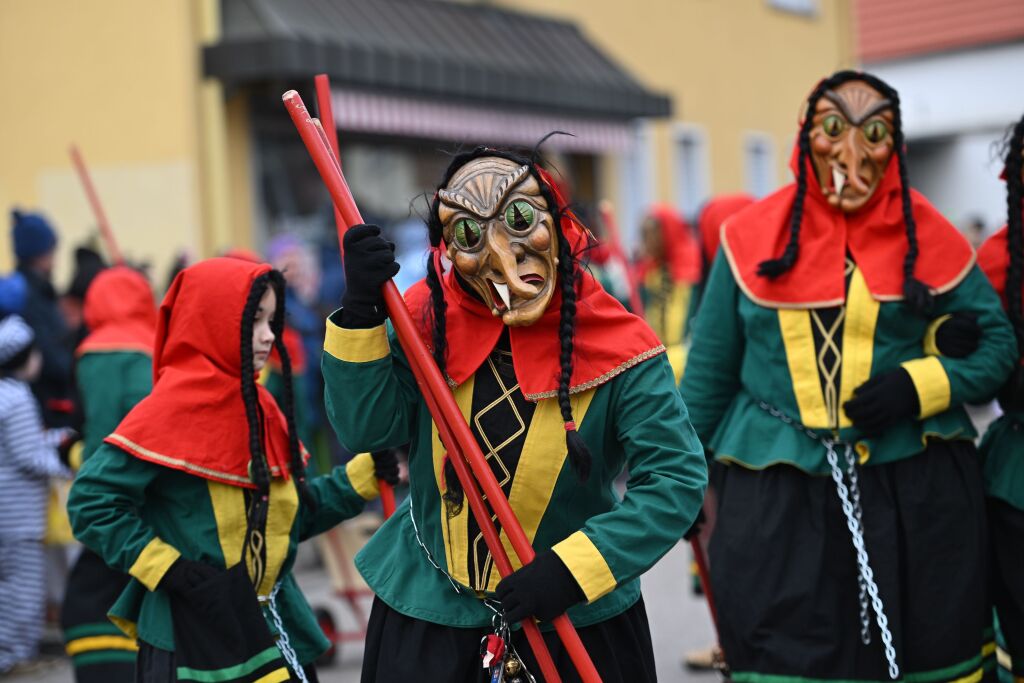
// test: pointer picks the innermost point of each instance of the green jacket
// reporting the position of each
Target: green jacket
(743, 353)
(1002, 452)
(140, 517)
(635, 421)
(111, 383)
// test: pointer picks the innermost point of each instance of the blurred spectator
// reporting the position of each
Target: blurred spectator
(88, 264)
(13, 293)
(411, 247)
(35, 243)
(28, 458)
(975, 231)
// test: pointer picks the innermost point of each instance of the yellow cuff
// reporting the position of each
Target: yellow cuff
(930, 347)
(153, 562)
(932, 384)
(356, 346)
(94, 643)
(362, 476)
(587, 565)
(75, 455)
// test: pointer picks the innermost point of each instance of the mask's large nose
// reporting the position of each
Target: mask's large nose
(851, 158)
(503, 257)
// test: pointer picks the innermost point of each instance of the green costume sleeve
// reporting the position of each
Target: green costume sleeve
(942, 381)
(111, 383)
(712, 376)
(370, 393)
(104, 505)
(667, 477)
(339, 495)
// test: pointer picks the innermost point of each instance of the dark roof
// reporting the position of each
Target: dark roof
(470, 52)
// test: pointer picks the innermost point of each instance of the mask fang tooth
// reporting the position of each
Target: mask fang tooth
(838, 180)
(502, 290)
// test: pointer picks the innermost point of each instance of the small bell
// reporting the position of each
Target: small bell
(512, 666)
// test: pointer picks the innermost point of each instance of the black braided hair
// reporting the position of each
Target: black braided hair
(256, 517)
(1014, 229)
(917, 295)
(569, 276)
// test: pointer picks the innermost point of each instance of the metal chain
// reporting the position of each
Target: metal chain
(849, 498)
(283, 644)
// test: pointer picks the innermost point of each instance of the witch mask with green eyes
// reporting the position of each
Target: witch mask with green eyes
(851, 143)
(501, 237)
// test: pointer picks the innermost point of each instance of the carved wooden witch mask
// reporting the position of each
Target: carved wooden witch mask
(500, 235)
(851, 143)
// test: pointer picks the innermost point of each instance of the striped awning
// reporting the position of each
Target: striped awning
(421, 118)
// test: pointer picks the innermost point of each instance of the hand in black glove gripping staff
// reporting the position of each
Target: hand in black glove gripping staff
(883, 401)
(543, 589)
(369, 263)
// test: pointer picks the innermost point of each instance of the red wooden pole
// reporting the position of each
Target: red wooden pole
(433, 382)
(97, 207)
(614, 242)
(330, 134)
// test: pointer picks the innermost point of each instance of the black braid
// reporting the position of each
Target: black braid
(1015, 231)
(295, 462)
(256, 517)
(917, 295)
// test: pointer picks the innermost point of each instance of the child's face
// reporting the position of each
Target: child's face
(29, 372)
(262, 335)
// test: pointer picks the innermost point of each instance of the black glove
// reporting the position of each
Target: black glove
(66, 445)
(697, 525)
(544, 589)
(369, 263)
(883, 401)
(184, 575)
(958, 336)
(385, 466)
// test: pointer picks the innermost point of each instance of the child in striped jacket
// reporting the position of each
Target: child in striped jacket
(28, 459)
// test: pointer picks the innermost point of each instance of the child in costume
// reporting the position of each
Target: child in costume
(562, 388)
(1002, 259)
(28, 459)
(850, 540)
(669, 277)
(114, 372)
(200, 493)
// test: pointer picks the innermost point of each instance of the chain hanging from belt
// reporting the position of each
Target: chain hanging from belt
(849, 497)
(283, 643)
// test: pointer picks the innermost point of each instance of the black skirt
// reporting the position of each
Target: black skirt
(401, 649)
(784, 571)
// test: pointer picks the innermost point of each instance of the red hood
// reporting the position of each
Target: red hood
(875, 235)
(197, 381)
(714, 214)
(119, 312)
(682, 252)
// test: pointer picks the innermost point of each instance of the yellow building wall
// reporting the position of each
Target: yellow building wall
(122, 80)
(730, 66)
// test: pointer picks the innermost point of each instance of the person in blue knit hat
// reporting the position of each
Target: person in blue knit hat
(13, 292)
(35, 244)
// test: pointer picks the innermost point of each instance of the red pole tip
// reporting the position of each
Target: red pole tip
(289, 95)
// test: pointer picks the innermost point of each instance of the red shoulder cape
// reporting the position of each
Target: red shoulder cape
(874, 236)
(994, 260)
(714, 214)
(682, 252)
(119, 312)
(609, 340)
(194, 420)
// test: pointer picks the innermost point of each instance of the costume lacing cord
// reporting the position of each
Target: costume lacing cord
(849, 497)
(283, 643)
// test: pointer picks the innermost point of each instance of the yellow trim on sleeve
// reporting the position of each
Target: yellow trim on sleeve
(932, 384)
(540, 464)
(75, 455)
(363, 476)
(357, 346)
(153, 562)
(129, 627)
(797, 337)
(930, 347)
(93, 643)
(858, 342)
(587, 565)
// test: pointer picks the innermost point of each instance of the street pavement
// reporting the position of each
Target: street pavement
(679, 622)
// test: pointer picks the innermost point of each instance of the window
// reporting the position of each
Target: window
(636, 186)
(691, 169)
(759, 164)
(807, 8)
